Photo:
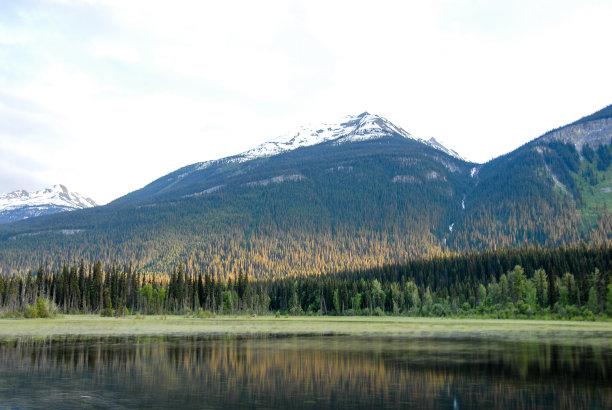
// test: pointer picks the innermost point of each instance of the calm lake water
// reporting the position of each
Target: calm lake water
(302, 372)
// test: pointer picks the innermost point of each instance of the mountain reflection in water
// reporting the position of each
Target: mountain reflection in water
(302, 372)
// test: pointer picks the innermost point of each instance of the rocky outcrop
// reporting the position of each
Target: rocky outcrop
(593, 133)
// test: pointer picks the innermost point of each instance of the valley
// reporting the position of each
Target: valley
(305, 205)
(350, 218)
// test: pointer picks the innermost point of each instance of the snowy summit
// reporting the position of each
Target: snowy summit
(22, 204)
(351, 128)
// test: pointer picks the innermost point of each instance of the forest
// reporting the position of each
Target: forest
(357, 207)
(528, 282)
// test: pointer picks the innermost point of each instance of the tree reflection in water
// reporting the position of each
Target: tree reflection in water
(302, 372)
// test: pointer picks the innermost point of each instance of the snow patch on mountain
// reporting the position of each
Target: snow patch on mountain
(276, 180)
(437, 145)
(205, 192)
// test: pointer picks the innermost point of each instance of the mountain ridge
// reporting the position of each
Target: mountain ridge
(350, 128)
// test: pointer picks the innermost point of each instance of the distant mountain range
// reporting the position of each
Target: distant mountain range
(350, 194)
(21, 204)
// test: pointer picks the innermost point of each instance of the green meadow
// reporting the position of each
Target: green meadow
(244, 326)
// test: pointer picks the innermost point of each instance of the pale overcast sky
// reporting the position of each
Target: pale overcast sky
(106, 96)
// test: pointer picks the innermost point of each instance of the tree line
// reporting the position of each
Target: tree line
(511, 283)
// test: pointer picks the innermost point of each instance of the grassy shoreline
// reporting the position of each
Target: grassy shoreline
(599, 333)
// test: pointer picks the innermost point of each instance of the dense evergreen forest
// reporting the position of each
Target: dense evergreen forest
(339, 208)
(571, 283)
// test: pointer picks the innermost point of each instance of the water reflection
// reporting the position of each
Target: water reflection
(302, 372)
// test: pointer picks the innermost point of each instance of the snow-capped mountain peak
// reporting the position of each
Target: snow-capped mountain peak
(57, 195)
(22, 204)
(351, 128)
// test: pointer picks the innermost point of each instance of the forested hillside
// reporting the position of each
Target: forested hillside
(371, 197)
(321, 208)
(545, 193)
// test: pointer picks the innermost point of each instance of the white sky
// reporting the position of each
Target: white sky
(106, 96)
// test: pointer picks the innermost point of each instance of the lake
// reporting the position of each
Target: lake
(303, 372)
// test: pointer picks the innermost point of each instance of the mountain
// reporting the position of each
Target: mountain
(350, 194)
(349, 129)
(338, 136)
(554, 190)
(22, 204)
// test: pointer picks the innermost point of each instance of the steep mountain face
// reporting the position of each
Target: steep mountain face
(21, 204)
(552, 191)
(351, 194)
(593, 130)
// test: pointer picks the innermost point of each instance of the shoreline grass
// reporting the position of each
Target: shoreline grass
(562, 332)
